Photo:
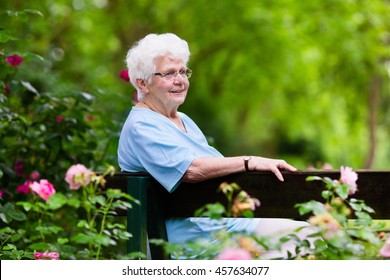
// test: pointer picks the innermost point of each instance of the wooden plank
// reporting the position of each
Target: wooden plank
(278, 198)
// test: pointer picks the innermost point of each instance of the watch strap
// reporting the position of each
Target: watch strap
(246, 163)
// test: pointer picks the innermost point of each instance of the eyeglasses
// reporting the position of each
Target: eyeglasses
(168, 76)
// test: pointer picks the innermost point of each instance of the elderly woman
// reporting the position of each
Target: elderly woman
(158, 139)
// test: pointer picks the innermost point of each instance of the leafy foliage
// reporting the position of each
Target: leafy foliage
(78, 224)
(341, 228)
(304, 80)
(271, 77)
(42, 127)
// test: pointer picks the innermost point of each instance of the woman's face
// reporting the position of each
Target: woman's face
(169, 94)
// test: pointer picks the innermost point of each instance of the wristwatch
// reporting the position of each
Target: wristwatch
(246, 162)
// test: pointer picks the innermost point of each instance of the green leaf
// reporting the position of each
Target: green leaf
(326, 194)
(367, 208)
(355, 205)
(124, 235)
(116, 225)
(99, 199)
(49, 229)
(18, 215)
(312, 206)
(86, 97)
(33, 12)
(24, 14)
(104, 240)
(63, 240)
(114, 193)
(313, 178)
(29, 87)
(33, 57)
(12, 213)
(56, 201)
(248, 214)
(39, 246)
(82, 223)
(330, 182)
(26, 205)
(211, 210)
(6, 230)
(342, 191)
(121, 204)
(365, 234)
(82, 238)
(364, 219)
(74, 202)
(9, 247)
(6, 36)
(4, 218)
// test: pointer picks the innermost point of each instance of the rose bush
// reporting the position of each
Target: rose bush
(344, 223)
(46, 124)
(343, 227)
(78, 224)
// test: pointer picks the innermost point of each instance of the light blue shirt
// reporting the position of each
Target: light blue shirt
(150, 142)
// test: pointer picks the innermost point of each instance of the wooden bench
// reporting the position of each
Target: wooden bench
(277, 199)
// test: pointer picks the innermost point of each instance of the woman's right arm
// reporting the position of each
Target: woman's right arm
(207, 168)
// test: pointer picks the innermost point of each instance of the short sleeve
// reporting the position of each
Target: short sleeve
(161, 154)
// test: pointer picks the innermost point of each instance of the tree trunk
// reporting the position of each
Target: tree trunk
(374, 95)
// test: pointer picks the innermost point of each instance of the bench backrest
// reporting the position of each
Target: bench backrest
(277, 198)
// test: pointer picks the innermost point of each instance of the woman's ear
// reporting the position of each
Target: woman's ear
(142, 84)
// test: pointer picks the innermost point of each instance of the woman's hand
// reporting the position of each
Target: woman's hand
(268, 164)
(208, 168)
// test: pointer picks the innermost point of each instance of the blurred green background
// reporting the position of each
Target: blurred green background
(307, 81)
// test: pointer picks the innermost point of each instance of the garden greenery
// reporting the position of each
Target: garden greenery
(46, 131)
(343, 226)
(79, 224)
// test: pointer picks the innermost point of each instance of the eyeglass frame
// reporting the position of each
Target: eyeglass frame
(183, 74)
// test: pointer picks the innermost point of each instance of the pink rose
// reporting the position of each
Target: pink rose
(44, 189)
(234, 254)
(19, 168)
(7, 89)
(385, 250)
(14, 60)
(327, 166)
(59, 119)
(78, 175)
(24, 188)
(46, 256)
(124, 74)
(34, 175)
(349, 177)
